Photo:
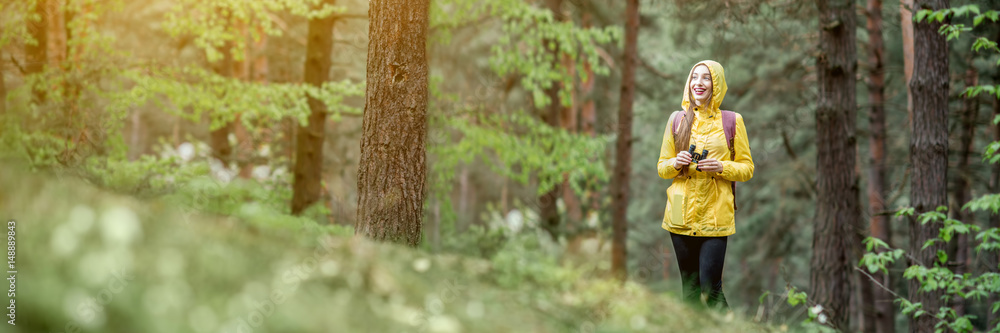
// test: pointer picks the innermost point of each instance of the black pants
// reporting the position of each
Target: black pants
(700, 260)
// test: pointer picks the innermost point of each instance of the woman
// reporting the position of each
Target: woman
(701, 201)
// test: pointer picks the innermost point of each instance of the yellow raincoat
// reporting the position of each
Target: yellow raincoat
(701, 203)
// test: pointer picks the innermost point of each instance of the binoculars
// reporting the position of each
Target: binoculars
(695, 157)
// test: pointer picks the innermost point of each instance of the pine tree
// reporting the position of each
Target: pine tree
(928, 150)
(877, 307)
(393, 166)
(623, 149)
(37, 53)
(837, 206)
(309, 142)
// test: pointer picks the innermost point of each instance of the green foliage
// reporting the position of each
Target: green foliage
(14, 16)
(816, 320)
(954, 30)
(215, 23)
(522, 261)
(796, 297)
(991, 156)
(476, 241)
(523, 146)
(534, 46)
(115, 264)
(877, 258)
(191, 92)
(936, 275)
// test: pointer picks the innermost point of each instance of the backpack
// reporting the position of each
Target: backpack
(729, 127)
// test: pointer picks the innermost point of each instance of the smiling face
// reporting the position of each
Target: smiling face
(701, 85)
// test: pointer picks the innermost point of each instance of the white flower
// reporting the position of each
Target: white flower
(822, 319)
(816, 309)
(186, 151)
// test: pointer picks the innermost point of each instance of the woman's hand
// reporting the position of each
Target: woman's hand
(710, 165)
(683, 159)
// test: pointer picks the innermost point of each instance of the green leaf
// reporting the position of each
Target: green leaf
(921, 14)
(905, 212)
(795, 298)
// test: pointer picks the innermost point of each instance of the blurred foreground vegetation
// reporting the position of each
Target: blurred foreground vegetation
(93, 261)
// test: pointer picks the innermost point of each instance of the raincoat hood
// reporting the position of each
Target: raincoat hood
(719, 86)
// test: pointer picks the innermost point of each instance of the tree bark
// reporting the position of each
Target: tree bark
(906, 23)
(588, 111)
(548, 211)
(62, 50)
(993, 261)
(837, 203)
(309, 151)
(219, 137)
(877, 303)
(928, 151)
(59, 17)
(568, 121)
(37, 54)
(244, 148)
(623, 145)
(963, 181)
(393, 166)
(3, 90)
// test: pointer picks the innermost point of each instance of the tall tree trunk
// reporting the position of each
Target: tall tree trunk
(837, 203)
(993, 261)
(464, 195)
(548, 211)
(135, 137)
(219, 137)
(623, 145)
(244, 148)
(393, 166)
(906, 25)
(309, 150)
(928, 150)
(877, 303)
(3, 90)
(568, 121)
(63, 50)
(588, 110)
(963, 181)
(59, 17)
(261, 68)
(37, 54)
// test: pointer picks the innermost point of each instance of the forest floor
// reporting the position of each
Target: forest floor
(94, 261)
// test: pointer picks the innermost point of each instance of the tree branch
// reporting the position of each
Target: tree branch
(788, 145)
(352, 16)
(878, 283)
(899, 297)
(651, 69)
(18, 65)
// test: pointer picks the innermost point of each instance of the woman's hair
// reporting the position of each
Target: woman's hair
(682, 139)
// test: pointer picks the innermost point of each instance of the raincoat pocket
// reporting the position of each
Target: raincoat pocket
(675, 207)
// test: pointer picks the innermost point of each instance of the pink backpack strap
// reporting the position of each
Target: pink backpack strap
(676, 122)
(729, 126)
